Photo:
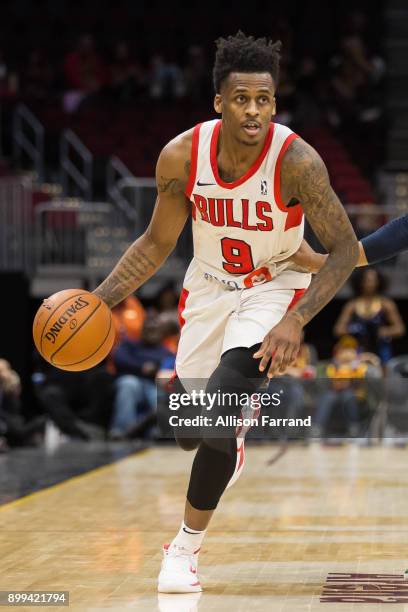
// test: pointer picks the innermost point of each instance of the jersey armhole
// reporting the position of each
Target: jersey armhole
(294, 213)
(276, 179)
(193, 161)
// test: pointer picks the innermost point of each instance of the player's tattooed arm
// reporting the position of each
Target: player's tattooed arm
(305, 177)
(173, 185)
(152, 248)
(307, 260)
(136, 265)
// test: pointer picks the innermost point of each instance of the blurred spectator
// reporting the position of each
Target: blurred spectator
(128, 317)
(287, 94)
(37, 76)
(167, 300)
(137, 364)
(357, 100)
(166, 80)
(197, 75)
(308, 109)
(348, 90)
(303, 367)
(85, 73)
(79, 403)
(292, 386)
(165, 304)
(14, 431)
(127, 78)
(8, 78)
(171, 331)
(354, 80)
(345, 373)
(370, 317)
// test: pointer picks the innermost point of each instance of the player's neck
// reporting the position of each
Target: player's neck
(235, 157)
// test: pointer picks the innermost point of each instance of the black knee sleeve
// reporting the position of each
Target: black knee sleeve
(210, 474)
(241, 360)
(215, 461)
(236, 375)
(184, 442)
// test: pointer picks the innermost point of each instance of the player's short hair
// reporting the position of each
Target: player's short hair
(241, 53)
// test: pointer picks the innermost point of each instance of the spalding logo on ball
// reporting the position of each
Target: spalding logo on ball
(73, 330)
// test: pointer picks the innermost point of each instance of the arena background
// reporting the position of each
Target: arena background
(89, 94)
(92, 143)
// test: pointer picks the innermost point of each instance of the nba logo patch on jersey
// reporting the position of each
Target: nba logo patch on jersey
(264, 188)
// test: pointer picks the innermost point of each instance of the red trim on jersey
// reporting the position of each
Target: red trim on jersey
(193, 160)
(276, 179)
(295, 213)
(251, 171)
(181, 305)
(299, 293)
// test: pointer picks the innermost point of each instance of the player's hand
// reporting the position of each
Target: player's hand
(306, 259)
(281, 344)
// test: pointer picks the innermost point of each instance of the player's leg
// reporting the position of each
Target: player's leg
(213, 466)
(237, 375)
(259, 309)
(204, 309)
(186, 439)
(257, 312)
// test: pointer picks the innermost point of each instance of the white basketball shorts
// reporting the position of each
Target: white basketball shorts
(215, 318)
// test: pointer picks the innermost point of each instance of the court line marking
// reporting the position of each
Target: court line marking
(59, 485)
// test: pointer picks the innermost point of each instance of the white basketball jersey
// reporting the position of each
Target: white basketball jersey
(241, 230)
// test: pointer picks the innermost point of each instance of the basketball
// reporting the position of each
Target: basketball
(73, 330)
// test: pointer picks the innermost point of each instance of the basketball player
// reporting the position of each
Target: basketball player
(388, 241)
(247, 182)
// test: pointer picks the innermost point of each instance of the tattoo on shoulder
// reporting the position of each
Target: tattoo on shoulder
(306, 178)
(305, 175)
(172, 186)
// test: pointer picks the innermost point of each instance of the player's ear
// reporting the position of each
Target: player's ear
(273, 106)
(218, 103)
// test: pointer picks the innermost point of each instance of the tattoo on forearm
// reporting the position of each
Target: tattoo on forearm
(326, 283)
(306, 178)
(131, 270)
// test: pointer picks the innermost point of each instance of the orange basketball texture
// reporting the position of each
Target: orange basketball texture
(73, 330)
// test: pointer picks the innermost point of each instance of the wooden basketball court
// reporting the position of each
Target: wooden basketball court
(276, 537)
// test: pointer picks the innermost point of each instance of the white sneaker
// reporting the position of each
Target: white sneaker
(178, 571)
